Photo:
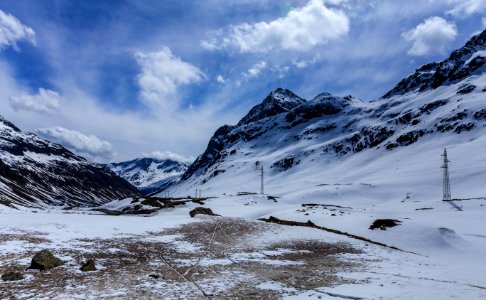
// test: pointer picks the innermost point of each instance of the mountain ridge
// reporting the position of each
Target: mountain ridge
(461, 63)
(328, 127)
(149, 174)
(37, 172)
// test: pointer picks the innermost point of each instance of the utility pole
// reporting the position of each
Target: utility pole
(446, 184)
(261, 182)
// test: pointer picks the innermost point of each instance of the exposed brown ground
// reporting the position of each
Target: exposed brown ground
(227, 264)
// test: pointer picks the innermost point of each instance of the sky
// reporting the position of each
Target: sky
(117, 80)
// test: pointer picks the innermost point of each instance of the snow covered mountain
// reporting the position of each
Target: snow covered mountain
(440, 105)
(35, 172)
(149, 174)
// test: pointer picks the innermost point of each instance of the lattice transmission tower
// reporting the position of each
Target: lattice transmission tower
(261, 182)
(446, 183)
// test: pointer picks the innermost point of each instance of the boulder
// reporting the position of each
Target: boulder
(201, 211)
(12, 276)
(45, 260)
(152, 202)
(88, 266)
(383, 224)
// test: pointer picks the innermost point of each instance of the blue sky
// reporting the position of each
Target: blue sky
(114, 80)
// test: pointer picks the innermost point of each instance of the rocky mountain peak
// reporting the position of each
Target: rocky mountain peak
(4, 124)
(464, 62)
(324, 95)
(277, 102)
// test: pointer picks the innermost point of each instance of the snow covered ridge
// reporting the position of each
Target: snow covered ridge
(149, 174)
(288, 134)
(36, 172)
(462, 63)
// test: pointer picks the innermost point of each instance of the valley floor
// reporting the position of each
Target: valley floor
(171, 255)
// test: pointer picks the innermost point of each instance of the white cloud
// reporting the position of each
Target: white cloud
(170, 155)
(162, 74)
(12, 31)
(465, 8)
(89, 146)
(45, 101)
(220, 79)
(304, 63)
(433, 35)
(256, 69)
(130, 132)
(301, 30)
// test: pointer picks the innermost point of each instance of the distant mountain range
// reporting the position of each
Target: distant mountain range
(149, 174)
(35, 172)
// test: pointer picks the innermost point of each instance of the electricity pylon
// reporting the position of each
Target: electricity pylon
(446, 184)
(261, 182)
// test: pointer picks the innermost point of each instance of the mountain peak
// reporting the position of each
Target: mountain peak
(462, 63)
(4, 123)
(149, 174)
(277, 102)
(281, 94)
(324, 95)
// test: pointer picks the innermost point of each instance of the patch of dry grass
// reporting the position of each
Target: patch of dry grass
(125, 265)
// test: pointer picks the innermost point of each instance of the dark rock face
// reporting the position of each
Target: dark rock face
(458, 66)
(367, 137)
(284, 164)
(429, 107)
(40, 172)
(152, 202)
(466, 89)
(201, 211)
(45, 260)
(314, 110)
(12, 276)
(480, 115)
(384, 224)
(216, 144)
(89, 266)
(275, 103)
(464, 127)
(410, 137)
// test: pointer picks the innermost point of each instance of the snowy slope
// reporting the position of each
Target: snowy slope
(336, 137)
(149, 174)
(36, 172)
(379, 159)
(362, 161)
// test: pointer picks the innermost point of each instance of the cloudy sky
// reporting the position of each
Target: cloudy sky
(115, 80)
